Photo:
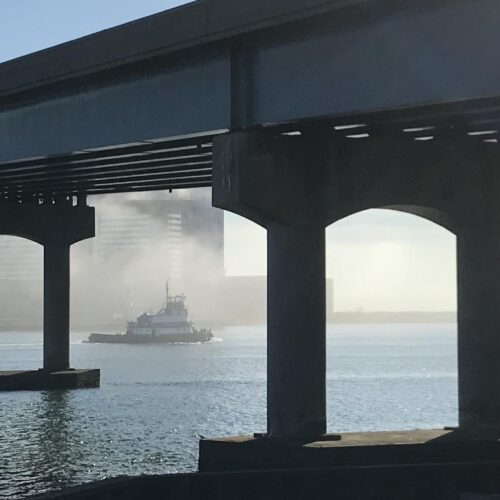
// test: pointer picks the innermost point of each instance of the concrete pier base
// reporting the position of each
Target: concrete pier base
(36, 380)
(350, 449)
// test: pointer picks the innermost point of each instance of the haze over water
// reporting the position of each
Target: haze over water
(156, 400)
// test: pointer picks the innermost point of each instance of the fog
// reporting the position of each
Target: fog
(379, 260)
(141, 244)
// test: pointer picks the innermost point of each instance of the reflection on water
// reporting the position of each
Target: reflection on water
(155, 401)
(55, 441)
(42, 442)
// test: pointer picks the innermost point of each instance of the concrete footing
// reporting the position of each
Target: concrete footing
(350, 449)
(35, 380)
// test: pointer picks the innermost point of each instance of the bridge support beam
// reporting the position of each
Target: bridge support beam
(55, 225)
(265, 179)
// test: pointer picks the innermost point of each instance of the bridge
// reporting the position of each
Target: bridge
(98, 115)
(297, 113)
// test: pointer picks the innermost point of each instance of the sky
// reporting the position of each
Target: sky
(30, 25)
(379, 259)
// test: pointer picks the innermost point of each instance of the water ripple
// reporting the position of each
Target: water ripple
(154, 403)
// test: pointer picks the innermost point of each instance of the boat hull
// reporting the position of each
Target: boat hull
(182, 338)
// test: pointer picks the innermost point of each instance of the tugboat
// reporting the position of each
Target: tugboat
(169, 325)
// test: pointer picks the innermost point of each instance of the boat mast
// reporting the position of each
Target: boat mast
(166, 293)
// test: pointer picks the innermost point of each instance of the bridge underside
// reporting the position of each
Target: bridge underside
(186, 162)
(98, 115)
(155, 165)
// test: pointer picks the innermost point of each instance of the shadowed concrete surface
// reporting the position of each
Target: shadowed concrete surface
(349, 449)
(268, 179)
(474, 496)
(393, 482)
(44, 379)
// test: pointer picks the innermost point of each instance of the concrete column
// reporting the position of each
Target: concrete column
(56, 307)
(296, 324)
(267, 178)
(478, 261)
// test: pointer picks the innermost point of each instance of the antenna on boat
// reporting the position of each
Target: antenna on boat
(166, 291)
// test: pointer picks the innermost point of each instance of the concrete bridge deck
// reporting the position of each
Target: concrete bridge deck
(97, 115)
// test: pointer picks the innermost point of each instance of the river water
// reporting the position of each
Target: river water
(155, 401)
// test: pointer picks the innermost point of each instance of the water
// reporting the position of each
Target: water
(155, 401)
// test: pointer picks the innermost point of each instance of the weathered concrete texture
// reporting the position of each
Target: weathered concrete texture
(350, 449)
(410, 482)
(42, 379)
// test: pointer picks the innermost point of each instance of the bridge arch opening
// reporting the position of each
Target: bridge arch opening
(391, 342)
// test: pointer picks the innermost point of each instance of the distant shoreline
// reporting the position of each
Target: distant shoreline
(346, 317)
(395, 317)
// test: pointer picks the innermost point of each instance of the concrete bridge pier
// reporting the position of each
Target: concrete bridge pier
(56, 225)
(265, 179)
(56, 313)
(478, 257)
(295, 186)
(296, 404)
